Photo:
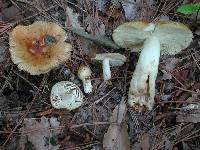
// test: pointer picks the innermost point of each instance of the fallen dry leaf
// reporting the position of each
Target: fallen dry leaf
(145, 141)
(131, 8)
(38, 133)
(168, 66)
(73, 18)
(116, 138)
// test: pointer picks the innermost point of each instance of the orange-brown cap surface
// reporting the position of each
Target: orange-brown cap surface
(39, 47)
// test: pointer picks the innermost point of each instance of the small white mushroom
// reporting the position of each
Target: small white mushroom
(152, 40)
(67, 95)
(84, 73)
(110, 59)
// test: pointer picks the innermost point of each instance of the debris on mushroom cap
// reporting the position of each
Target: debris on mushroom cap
(116, 59)
(173, 36)
(67, 95)
(84, 73)
(39, 47)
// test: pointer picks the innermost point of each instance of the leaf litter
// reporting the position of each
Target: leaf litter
(116, 137)
(41, 134)
(174, 122)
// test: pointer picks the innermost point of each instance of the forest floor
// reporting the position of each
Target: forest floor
(29, 122)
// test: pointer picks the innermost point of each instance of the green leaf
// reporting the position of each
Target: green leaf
(189, 8)
(53, 141)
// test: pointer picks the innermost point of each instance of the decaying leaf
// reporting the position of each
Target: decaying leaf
(168, 66)
(100, 4)
(144, 142)
(95, 25)
(190, 116)
(118, 113)
(73, 18)
(195, 118)
(39, 133)
(131, 8)
(116, 138)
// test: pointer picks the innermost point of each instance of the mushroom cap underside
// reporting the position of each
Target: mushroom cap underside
(173, 36)
(115, 59)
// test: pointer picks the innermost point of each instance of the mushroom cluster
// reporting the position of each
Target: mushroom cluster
(152, 40)
(39, 47)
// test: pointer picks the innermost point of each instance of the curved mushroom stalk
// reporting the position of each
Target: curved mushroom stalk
(142, 86)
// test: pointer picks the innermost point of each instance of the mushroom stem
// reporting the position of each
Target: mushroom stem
(87, 85)
(106, 69)
(144, 76)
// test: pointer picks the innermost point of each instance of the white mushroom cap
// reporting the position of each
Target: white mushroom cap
(173, 36)
(113, 59)
(84, 73)
(67, 95)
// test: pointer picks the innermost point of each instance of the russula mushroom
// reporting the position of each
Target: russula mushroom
(110, 59)
(153, 39)
(39, 47)
(67, 95)
(84, 73)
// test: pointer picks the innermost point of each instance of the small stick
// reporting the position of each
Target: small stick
(89, 124)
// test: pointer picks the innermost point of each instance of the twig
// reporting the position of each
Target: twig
(89, 124)
(97, 101)
(193, 92)
(34, 86)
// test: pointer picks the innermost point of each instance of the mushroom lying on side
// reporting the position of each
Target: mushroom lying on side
(110, 59)
(152, 39)
(84, 73)
(67, 95)
(39, 47)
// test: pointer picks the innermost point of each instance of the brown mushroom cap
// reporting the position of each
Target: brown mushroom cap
(173, 36)
(39, 47)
